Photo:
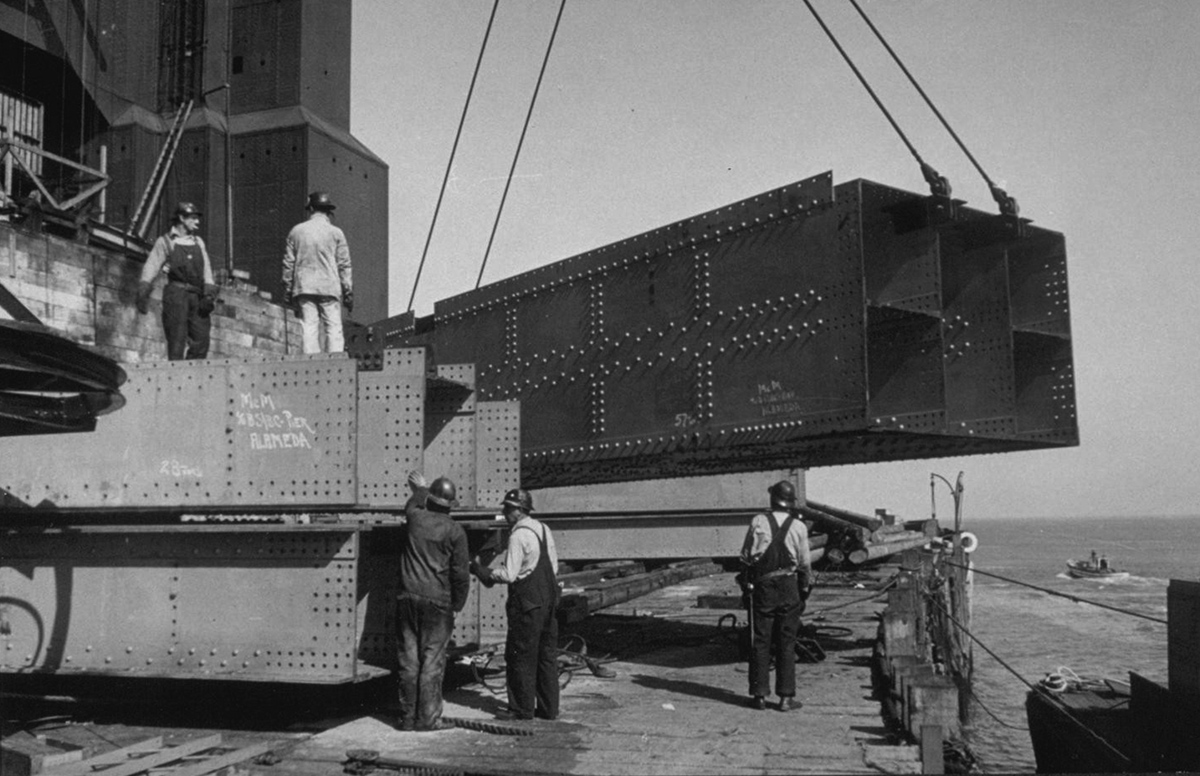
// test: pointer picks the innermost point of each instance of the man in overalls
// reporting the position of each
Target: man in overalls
(530, 569)
(778, 577)
(190, 295)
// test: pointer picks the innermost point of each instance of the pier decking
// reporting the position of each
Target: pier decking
(676, 705)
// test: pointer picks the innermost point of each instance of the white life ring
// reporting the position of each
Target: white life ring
(968, 541)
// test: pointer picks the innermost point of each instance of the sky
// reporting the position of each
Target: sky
(1086, 111)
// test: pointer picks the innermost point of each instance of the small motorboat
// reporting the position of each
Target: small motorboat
(1094, 568)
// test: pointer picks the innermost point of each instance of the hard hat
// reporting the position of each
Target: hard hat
(783, 494)
(442, 492)
(522, 499)
(186, 209)
(319, 200)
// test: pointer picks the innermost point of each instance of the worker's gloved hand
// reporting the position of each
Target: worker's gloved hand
(416, 481)
(143, 297)
(348, 299)
(208, 300)
(482, 573)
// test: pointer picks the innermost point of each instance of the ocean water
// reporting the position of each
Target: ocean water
(1036, 633)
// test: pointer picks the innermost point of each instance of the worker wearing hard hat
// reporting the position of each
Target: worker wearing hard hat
(433, 586)
(777, 577)
(530, 568)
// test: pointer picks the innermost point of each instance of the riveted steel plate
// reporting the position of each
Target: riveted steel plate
(391, 420)
(293, 425)
(261, 603)
(497, 452)
(483, 620)
(203, 434)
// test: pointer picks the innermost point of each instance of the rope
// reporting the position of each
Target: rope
(992, 714)
(1068, 596)
(508, 182)
(938, 183)
(453, 150)
(1008, 205)
(881, 591)
(1100, 739)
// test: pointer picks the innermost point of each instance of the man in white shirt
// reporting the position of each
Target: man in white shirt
(529, 567)
(779, 574)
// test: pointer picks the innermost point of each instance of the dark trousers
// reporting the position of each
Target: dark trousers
(531, 658)
(423, 628)
(186, 330)
(776, 603)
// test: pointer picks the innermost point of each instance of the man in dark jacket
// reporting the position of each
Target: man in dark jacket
(434, 580)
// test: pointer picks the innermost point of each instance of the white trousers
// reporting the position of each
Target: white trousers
(321, 314)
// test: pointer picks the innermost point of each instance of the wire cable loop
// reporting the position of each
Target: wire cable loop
(1008, 205)
(938, 184)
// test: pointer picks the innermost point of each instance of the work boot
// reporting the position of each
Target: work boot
(441, 724)
(758, 703)
(508, 715)
(788, 703)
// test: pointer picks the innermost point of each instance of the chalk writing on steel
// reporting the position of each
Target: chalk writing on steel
(773, 399)
(173, 468)
(685, 420)
(277, 429)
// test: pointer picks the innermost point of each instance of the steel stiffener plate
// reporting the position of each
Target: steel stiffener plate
(497, 451)
(391, 420)
(450, 430)
(275, 605)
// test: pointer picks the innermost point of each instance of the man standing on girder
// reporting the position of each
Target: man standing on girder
(190, 295)
(434, 580)
(530, 569)
(317, 277)
(778, 577)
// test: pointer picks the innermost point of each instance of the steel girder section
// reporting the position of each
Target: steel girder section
(807, 326)
(597, 536)
(203, 434)
(391, 421)
(235, 603)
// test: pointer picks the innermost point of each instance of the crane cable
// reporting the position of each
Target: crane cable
(1008, 205)
(938, 184)
(508, 182)
(453, 150)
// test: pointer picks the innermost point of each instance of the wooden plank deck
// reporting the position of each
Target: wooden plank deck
(676, 705)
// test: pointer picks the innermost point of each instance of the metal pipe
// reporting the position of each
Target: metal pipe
(870, 523)
(835, 523)
(884, 549)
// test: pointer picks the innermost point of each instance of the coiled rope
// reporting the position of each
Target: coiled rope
(1068, 596)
